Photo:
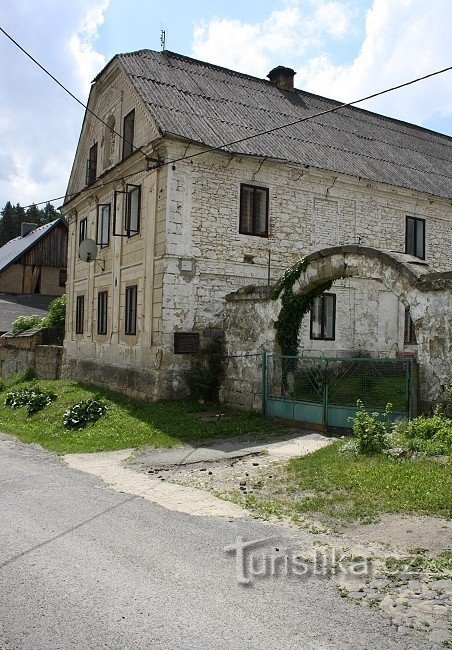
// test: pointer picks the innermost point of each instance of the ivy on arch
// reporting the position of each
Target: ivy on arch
(294, 307)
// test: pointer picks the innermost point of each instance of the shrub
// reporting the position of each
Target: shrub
(33, 398)
(23, 323)
(57, 313)
(431, 435)
(83, 412)
(371, 429)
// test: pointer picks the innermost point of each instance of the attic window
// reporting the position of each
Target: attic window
(128, 133)
(91, 165)
(253, 210)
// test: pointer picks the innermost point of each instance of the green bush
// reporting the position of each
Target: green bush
(430, 435)
(33, 398)
(57, 313)
(23, 323)
(371, 429)
(85, 411)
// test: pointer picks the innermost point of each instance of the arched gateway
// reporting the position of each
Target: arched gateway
(251, 313)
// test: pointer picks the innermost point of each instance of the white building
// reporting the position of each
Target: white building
(187, 203)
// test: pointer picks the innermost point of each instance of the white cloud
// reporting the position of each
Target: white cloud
(40, 124)
(403, 40)
(88, 61)
(283, 38)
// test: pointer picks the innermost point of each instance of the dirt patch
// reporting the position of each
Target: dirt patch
(405, 532)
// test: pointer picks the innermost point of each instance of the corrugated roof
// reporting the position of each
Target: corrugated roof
(212, 105)
(15, 248)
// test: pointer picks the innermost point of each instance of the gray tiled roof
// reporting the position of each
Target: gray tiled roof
(212, 105)
(15, 248)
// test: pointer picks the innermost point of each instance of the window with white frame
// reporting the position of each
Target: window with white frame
(130, 208)
(82, 229)
(103, 224)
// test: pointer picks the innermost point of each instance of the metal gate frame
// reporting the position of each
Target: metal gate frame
(323, 412)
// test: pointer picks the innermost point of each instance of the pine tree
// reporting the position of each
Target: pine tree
(12, 216)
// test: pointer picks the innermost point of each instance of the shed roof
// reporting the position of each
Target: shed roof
(15, 248)
(208, 104)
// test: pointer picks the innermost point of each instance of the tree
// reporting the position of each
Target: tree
(13, 216)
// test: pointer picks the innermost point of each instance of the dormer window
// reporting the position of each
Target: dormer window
(91, 165)
(128, 133)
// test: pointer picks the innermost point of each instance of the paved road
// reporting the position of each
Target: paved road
(85, 567)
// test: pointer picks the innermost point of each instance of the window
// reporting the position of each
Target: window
(127, 133)
(103, 225)
(323, 317)
(133, 209)
(82, 230)
(409, 336)
(415, 237)
(253, 211)
(102, 301)
(131, 212)
(79, 314)
(91, 165)
(62, 278)
(130, 326)
(186, 342)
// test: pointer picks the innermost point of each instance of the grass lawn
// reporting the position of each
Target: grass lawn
(127, 423)
(340, 487)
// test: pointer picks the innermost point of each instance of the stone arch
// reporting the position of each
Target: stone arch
(251, 312)
(428, 296)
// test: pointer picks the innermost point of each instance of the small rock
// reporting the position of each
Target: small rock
(356, 595)
(442, 584)
(403, 630)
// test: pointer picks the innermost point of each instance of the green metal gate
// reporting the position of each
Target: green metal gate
(323, 391)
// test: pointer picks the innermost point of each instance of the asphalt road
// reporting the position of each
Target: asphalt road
(82, 566)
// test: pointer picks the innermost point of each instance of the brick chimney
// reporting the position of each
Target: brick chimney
(282, 77)
(27, 228)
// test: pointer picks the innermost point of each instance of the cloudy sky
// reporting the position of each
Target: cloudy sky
(341, 49)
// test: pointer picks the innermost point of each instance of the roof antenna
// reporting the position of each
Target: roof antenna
(163, 39)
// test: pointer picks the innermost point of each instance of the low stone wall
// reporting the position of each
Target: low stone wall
(130, 381)
(25, 351)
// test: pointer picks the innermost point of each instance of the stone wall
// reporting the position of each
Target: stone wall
(25, 351)
(251, 314)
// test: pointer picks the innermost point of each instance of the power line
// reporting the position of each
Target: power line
(240, 140)
(308, 117)
(71, 94)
